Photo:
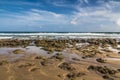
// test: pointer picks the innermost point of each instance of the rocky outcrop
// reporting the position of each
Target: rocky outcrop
(103, 42)
(14, 43)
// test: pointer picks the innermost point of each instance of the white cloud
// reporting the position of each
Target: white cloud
(86, 1)
(103, 13)
(83, 1)
(118, 22)
(35, 18)
(103, 16)
(74, 21)
(47, 13)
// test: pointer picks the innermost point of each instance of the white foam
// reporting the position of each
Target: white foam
(118, 46)
(5, 37)
(63, 35)
(78, 45)
(113, 50)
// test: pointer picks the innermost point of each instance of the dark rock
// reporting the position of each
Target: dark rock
(46, 62)
(66, 66)
(102, 70)
(18, 51)
(118, 70)
(100, 60)
(14, 43)
(107, 77)
(25, 65)
(118, 52)
(3, 62)
(58, 56)
(73, 75)
(76, 59)
(40, 57)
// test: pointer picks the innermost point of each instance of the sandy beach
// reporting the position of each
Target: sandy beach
(59, 39)
(53, 59)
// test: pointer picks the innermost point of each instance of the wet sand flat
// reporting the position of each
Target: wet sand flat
(94, 59)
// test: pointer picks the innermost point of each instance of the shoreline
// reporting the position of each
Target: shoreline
(60, 59)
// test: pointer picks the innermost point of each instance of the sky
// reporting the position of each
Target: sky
(60, 15)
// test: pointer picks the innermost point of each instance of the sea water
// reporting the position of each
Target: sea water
(68, 35)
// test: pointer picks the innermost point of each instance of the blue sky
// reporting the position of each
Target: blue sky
(60, 15)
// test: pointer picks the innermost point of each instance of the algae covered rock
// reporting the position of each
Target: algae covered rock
(66, 66)
(18, 51)
(40, 58)
(73, 75)
(3, 62)
(58, 56)
(102, 70)
(100, 60)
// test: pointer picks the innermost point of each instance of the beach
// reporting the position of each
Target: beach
(54, 58)
(59, 39)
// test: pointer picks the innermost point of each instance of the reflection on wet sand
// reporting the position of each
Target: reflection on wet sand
(61, 60)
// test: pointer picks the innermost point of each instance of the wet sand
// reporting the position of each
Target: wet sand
(60, 60)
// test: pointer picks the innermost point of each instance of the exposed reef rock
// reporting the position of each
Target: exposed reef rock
(18, 51)
(100, 60)
(73, 75)
(58, 56)
(14, 43)
(3, 62)
(66, 66)
(60, 59)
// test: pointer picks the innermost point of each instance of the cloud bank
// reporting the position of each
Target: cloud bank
(82, 16)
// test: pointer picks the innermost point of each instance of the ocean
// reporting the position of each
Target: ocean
(34, 35)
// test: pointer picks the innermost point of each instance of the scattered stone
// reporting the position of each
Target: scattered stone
(102, 70)
(14, 43)
(66, 66)
(25, 65)
(84, 57)
(60, 75)
(3, 62)
(49, 52)
(40, 57)
(18, 51)
(100, 60)
(103, 42)
(34, 69)
(46, 62)
(118, 70)
(58, 56)
(73, 75)
(118, 52)
(107, 77)
(76, 59)
(51, 45)
(56, 44)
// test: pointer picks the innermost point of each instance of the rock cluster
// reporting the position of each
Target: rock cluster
(58, 56)
(73, 75)
(102, 70)
(103, 42)
(107, 73)
(100, 60)
(66, 66)
(18, 51)
(3, 62)
(14, 43)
